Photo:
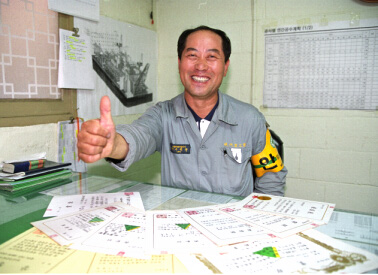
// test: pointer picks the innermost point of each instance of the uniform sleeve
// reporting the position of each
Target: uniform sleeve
(272, 183)
(144, 137)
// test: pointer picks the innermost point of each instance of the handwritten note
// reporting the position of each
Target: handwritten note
(75, 61)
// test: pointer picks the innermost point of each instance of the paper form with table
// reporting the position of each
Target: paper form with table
(257, 217)
(131, 232)
(297, 215)
(219, 226)
(61, 205)
(123, 235)
(72, 228)
(171, 233)
(34, 252)
(308, 252)
(318, 212)
(322, 66)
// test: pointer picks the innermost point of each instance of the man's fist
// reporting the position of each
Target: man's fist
(96, 137)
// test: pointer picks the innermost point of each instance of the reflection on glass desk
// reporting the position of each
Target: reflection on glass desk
(19, 210)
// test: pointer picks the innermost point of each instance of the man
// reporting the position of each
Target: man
(206, 138)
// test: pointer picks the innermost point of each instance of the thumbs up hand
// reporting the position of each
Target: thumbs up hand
(96, 137)
(106, 120)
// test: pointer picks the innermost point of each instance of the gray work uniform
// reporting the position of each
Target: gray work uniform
(220, 162)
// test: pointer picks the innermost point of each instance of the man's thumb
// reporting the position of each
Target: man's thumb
(105, 112)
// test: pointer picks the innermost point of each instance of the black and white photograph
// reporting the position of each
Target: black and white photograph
(124, 59)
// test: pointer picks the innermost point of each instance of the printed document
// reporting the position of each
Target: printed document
(61, 205)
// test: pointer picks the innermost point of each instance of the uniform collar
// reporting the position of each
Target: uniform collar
(208, 117)
(224, 112)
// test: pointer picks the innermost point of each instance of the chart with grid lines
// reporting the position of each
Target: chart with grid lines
(325, 69)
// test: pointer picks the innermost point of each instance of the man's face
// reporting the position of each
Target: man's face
(202, 65)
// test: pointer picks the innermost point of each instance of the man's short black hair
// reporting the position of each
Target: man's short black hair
(226, 43)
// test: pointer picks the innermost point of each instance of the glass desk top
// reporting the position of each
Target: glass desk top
(20, 209)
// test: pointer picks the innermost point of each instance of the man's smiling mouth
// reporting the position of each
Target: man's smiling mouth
(200, 78)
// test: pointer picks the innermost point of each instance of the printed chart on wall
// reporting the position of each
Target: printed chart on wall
(125, 63)
(322, 66)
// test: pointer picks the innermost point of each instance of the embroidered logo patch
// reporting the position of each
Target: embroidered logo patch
(180, 148)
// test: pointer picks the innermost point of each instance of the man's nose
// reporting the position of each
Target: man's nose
(201, 64)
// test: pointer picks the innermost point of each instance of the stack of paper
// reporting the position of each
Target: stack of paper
(35, 181)
(261, 233)
(48, 173)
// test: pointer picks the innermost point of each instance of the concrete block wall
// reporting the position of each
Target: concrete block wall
(331, 154)
(232, 16)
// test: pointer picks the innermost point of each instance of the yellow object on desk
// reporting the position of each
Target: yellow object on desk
(34, 252)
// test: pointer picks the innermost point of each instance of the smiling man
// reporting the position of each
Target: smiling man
(208, 141)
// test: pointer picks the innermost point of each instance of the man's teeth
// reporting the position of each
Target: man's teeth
(200, 78)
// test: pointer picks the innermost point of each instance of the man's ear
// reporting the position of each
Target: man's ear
(226, 67)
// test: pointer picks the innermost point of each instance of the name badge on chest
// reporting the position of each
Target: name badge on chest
(180, 148)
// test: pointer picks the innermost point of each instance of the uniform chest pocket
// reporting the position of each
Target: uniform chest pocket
(237, 155)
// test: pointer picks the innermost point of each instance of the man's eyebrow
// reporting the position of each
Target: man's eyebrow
(214, 50)
(209, 50)
(191, 49)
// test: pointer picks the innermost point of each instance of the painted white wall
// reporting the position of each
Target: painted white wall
(331, 155)
(16, 142)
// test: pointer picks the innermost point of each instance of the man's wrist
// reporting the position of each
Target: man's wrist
(120, 148)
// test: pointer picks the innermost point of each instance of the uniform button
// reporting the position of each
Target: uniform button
(203, 147)
(204, 173)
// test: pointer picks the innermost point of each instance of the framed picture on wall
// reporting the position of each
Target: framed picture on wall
(125, 61)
